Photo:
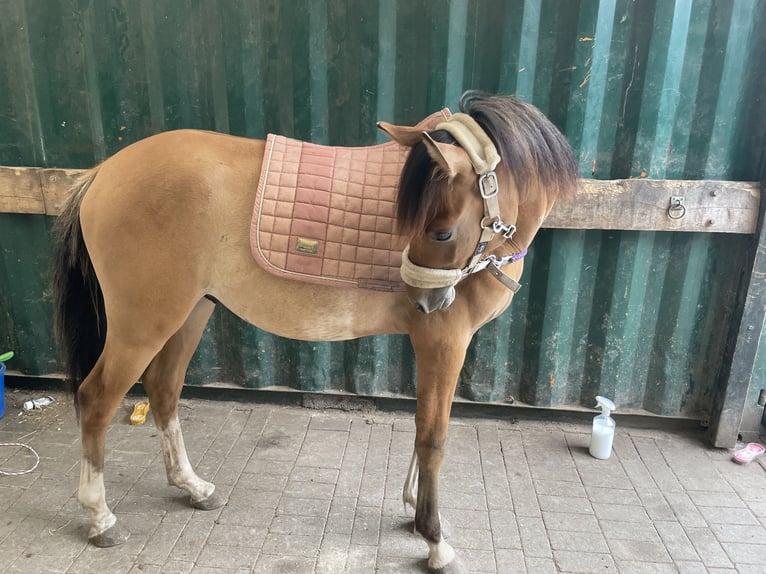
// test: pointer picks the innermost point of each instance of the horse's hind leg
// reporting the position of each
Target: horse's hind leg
(410, 490)
(99, 395)
(163, 381)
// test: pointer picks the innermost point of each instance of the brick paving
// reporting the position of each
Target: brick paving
(320, 492)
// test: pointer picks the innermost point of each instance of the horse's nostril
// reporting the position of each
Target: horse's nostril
(419, 306)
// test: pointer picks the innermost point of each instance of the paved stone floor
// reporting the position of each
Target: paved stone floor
(319, 491)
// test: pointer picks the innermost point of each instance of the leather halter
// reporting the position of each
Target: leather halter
(484, 158)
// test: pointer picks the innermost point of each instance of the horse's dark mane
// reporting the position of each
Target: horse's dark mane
(533, 151)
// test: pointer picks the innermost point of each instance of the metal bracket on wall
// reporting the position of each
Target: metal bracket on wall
(676, 207)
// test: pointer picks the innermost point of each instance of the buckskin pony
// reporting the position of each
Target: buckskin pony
(157, 235)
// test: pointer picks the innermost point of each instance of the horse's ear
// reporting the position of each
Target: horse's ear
(403, 135)
(451, 159)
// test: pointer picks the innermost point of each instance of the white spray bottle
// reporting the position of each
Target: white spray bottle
(603, 430)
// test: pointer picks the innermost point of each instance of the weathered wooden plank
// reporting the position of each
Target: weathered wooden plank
(20, 190)
(642, 204)
(35, 190)
(57, 185)
(629, 204)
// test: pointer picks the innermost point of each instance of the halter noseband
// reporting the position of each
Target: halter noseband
(484, 158)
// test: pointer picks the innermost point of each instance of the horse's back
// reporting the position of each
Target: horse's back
(172, 176)
(187, 156)
(155, 211)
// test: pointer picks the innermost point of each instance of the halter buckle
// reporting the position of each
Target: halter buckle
(488, 185)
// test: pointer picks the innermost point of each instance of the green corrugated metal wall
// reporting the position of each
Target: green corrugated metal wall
(659, 89)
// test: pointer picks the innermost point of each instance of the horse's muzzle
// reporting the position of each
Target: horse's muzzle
(430, 300)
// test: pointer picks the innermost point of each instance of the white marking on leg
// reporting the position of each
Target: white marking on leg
(440, 554)
(177, 465)
(92, 496)
(410, 490)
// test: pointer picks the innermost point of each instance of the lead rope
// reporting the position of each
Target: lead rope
(20, 472)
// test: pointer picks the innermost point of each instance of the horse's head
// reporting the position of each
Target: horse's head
(474, 192)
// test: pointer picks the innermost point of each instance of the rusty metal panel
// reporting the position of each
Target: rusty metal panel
(657, 89)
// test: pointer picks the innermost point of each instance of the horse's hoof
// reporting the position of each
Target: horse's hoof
(454, 567)
(112, 536)
(212, 502)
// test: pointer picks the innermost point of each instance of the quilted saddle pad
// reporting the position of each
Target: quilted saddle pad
(326, 214)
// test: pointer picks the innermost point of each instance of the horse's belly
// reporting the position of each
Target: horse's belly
(300, 310)
(311, 312)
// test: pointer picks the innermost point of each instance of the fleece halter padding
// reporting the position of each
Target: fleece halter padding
(474, 141)
(427, 277)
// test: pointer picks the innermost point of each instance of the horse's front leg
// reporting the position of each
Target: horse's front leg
(440, 355)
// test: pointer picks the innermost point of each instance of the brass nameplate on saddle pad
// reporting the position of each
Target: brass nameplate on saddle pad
(307, 246)
(326, 214)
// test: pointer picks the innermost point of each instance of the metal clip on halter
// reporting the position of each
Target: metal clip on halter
(498, 226)
(507, 230)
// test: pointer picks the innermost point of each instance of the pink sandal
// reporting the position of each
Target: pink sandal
(747, 454)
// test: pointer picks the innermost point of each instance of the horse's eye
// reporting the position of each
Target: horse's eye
(442, 235)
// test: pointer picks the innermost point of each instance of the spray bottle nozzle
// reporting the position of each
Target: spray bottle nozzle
(605, 405)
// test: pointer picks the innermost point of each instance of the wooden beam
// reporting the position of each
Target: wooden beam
(629, 204)
(20, 191)
(35, 190)
(642, 205)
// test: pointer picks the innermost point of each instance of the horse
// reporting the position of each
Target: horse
(155, 236)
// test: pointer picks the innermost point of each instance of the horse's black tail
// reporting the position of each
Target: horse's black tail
(80, 325)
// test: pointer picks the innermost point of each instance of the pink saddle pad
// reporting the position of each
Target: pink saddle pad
(325, 214)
